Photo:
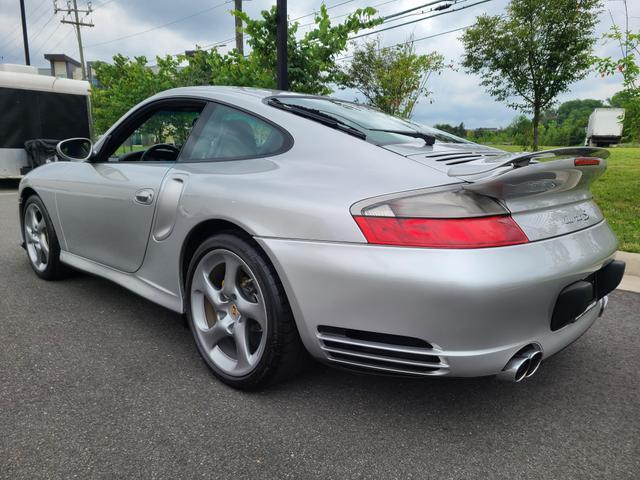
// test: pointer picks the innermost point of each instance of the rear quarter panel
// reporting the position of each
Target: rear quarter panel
(304, 193)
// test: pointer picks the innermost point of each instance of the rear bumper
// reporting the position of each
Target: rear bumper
(476, 308)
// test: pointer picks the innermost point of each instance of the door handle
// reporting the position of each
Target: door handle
(144, 196)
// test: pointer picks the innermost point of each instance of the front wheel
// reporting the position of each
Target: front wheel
(239, 314)
(41, 241)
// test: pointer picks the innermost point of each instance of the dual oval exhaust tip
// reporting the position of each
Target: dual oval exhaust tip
(527, 360)
(522, 365)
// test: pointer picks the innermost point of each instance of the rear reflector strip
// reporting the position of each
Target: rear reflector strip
(585, 161)
(477, 232)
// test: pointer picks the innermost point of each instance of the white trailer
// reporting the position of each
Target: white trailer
(38, 106)
(605, 127)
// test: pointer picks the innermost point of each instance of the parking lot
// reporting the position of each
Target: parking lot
(97, 382)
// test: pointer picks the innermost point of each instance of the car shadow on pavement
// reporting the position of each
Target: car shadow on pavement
(104, 365)
(392, 397)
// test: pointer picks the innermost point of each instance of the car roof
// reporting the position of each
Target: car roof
(226, 92)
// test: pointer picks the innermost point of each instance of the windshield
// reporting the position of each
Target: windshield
(368, 120)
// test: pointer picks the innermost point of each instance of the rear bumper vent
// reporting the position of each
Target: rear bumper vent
(384, 353)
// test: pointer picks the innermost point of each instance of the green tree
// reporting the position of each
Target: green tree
(312, 64)
(579, 108)
(312, 58)
(520, 131)
(532, 53)
(567, 124)
(392, 79)
(629, 101)
(627, 65)
(459, 131)
(126, 82)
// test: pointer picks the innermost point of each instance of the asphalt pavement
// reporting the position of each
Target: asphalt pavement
(96, 382)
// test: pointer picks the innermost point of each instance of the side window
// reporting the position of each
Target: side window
(229, 133)
(159, 137)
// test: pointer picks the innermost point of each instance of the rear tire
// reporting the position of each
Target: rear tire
(239, 315)
(41, 241)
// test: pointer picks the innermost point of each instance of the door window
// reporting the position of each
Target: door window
(228, 133)
(159, 137)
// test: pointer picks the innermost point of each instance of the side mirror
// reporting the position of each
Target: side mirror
(75, 149)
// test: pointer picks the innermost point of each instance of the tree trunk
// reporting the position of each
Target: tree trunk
(536, 122)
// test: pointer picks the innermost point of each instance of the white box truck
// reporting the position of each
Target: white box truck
(36, 106)
(605, 127)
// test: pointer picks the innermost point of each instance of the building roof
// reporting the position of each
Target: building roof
(61, 57)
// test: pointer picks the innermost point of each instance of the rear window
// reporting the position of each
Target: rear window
(226, 133)
(367, 120)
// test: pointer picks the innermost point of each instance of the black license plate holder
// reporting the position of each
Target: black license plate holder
(576, 298)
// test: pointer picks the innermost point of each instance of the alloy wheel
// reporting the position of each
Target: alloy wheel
(228, 312)
(36, 237)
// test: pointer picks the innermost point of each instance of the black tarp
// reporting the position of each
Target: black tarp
(29, 114)
(40, 150)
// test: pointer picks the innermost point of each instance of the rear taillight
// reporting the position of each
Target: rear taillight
(443, 218)
(476, 232)
(586, 161)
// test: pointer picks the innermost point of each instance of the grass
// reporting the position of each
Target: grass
(126, 149)
(617, 193)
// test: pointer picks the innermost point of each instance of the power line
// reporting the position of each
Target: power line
(69, 32)
(30, 22)
(62, 39)
(10, 34)
(102, 4)
(333, 18)
(43, 27)
(13, 41)
(349, 13)
(419, 19)
(445, 6)
(297, 18)
(160, 26)
(397, 14)
(316, 11)
(415, 40)
(43, 13)
(10, 41)
(36, 11)
(43, 3)
(39, 49)
(290, 21)
(221, 42)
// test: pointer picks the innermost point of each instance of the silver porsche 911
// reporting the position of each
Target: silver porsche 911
(284, 225)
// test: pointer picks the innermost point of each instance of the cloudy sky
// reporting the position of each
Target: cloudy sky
(158, 27)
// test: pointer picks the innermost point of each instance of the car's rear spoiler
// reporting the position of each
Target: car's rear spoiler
(523, 159)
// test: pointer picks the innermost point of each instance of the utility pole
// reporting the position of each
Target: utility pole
(77, 23)
(239, 35)
(282, 70)
(25, 37)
